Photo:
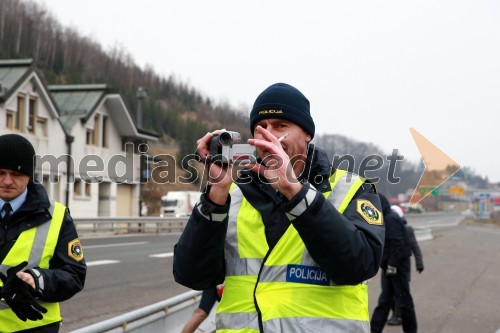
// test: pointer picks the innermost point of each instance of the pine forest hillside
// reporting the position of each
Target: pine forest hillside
(62, 56)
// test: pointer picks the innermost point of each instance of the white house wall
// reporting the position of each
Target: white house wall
(51, 144)
(89, 206)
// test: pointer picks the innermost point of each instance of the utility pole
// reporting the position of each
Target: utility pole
(141, 94)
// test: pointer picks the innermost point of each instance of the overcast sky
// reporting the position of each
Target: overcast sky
(371, 69)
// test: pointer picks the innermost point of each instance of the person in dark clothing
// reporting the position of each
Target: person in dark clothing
(290, 227)
(40, 253)
(395, 319)
(395, 274)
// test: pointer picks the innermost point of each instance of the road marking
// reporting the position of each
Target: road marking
(162, 255)
(113, 245)
(102, 262)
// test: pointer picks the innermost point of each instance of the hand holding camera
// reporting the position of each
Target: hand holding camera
(226, 149)
(222, 150)
(219, 174)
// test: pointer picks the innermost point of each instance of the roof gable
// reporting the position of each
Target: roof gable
(80, 102)
(15, 74)
(77, 102)
(12, 73)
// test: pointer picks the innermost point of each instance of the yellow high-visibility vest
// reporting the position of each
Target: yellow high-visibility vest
(37, 247)
(289, 289)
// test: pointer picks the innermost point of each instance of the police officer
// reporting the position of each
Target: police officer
(40, 253)
(395, 274)
(293, 239)
(395, 320)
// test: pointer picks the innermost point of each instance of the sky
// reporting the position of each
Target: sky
(370, 69)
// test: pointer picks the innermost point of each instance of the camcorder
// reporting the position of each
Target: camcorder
(225, 149)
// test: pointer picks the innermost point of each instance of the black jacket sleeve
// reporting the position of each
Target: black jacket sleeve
(345, 246)
(415, 249)
(199, 253)
(65, 276)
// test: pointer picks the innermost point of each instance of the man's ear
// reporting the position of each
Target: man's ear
(308, 138)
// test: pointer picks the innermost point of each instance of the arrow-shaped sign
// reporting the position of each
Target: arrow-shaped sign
(438, 167)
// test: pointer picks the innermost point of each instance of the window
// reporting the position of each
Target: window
(87, 189)
(77, 188)
(93, 136)
(19, 117)
(105, 131)
(10, 120)
(82, 189)
(97, 123)
(90, 136)
(41, 126)
(32, 115)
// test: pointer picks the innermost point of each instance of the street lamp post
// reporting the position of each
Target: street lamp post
(141, 94)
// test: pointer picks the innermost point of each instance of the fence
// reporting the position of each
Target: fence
(130, 225)
(127, 225)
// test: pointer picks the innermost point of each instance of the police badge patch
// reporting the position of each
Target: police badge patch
(369, 212)
(75, 250)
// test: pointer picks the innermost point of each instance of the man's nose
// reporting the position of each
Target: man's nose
(7, 179)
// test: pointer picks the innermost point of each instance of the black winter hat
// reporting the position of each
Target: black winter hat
(283, 101)
(17, 154)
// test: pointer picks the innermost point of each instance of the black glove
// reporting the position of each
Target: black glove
(420, 269)
(391, 271)
(18, 295)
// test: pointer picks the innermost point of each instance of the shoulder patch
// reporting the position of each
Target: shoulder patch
(369, 212)
(75, 250)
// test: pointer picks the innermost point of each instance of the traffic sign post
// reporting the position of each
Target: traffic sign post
(485, 206)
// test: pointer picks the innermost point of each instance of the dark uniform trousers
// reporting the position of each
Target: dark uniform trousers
(396, 286)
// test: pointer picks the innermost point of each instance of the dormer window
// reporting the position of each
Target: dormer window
(98, 135)
(90, 136)
(32, 117)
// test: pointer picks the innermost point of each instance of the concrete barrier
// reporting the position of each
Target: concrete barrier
(423, 234)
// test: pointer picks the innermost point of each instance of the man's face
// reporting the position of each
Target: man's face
(295, 144)
(12, 184)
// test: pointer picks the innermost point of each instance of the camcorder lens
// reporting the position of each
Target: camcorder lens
(225, 138)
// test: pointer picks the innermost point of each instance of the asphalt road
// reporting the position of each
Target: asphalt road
(124, 274)
(457, 292)
(459, 289)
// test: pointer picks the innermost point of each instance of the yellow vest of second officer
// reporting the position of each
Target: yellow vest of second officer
(36, 246)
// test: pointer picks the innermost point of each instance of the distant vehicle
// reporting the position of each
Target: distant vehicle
(178, 203)
(415, 208)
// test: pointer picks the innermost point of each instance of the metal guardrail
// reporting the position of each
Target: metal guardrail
(167, 316)
(127, 225)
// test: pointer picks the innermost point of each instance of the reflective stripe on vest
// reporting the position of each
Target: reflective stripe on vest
(37, 246)
(245, 245)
